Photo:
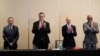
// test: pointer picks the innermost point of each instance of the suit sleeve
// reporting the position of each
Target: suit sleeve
(47, 28)
(64, 32)
(86, 29)
(34, 29)
(96, 29)
(17, 35)
(75, 32)
(4, 35)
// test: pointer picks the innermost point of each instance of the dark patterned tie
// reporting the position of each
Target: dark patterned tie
(90, 25)
(42, 24)
(10, 27)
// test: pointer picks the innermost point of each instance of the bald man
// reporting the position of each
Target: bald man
(90, 29)
(10, 35)
(68, 32)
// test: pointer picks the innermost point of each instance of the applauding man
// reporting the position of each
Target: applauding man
(41, 29)
(90, 30)
(69, 32)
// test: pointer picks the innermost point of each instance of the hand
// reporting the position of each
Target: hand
(39, 27)
(94, 25)
(11, 44)
(44, 25)
(70, 30)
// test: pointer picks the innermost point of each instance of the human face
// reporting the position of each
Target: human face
(41, 17)
(89, 18)
(10, 21)
(68, 21)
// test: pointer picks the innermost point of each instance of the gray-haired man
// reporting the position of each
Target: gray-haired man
(90, 30)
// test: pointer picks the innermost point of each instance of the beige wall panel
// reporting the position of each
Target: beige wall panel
(17, 9)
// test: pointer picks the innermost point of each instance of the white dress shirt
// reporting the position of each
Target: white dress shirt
(69, 27)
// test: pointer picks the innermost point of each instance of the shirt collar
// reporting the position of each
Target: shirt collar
(68, 24)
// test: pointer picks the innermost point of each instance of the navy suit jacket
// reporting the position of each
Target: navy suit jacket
(10, 35)
(68, 40)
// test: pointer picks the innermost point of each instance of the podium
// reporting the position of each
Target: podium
(50, 52)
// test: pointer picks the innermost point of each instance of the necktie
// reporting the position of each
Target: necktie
(69, 27)
(42, 24)
(10, 27)
(90, 25)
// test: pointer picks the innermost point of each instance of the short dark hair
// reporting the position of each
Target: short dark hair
(9, 18)
(42, 13)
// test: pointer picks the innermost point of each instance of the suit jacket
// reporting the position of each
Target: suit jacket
(41, 34)
(68, 40)
(10, 35)
(90, 33)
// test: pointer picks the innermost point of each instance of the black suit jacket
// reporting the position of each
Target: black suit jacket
(41, 34)
(10, 35)
(68, 40)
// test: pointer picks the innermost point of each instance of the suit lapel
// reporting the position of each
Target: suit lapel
(8, 27)
(13, 28)
(72, 26)
(66, 28)
(37, 24)
(88, 25)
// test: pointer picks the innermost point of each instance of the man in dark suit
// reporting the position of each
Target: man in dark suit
(10, 35)
(41, 29)
(69, 32)
(90, 29)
